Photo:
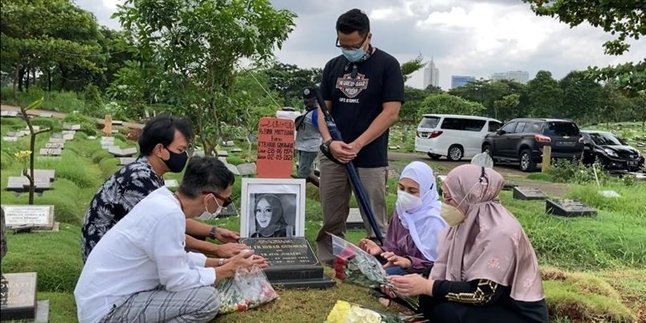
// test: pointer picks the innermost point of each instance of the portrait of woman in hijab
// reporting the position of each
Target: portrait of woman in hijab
(269, 217)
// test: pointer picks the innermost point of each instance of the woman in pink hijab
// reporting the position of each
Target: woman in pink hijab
(486, 270)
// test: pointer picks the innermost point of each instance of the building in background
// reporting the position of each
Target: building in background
(460, 80)
(431, 75)
(517, 76)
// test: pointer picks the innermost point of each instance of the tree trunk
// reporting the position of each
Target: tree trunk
(63, 77)
(49, 79)
(27, 79)
(21, 75)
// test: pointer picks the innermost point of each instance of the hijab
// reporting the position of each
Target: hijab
(490, 243)
(424, 221)
(277, 221)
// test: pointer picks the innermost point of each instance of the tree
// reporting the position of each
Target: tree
(544, 95)
(197, 45)
(450, 104)
(582, 97)
(42, 36)
(487, 92)
(624, 19)
(290, 81)
(412, 66)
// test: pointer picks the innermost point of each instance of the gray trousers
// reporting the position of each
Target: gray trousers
(305, 161)
(335, 191)
(198, 304)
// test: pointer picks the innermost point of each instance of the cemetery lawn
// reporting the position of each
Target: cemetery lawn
(594, 268)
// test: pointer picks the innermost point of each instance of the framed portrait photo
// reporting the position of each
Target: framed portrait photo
(272, 207)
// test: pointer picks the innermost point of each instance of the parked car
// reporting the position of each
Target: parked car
(453, 136)
(522, 141)
(610, 151)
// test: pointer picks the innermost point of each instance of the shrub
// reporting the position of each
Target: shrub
(108, 166)
(72, 167)
(88, 125)
(568, 171)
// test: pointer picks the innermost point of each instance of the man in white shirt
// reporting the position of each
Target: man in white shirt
(140, 271)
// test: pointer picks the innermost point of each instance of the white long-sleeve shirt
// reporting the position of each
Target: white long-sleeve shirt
(142, 251)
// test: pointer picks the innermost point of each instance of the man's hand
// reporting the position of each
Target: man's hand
(260, 261)
(228, 250)
(395, 260)
(225, 235)
(341, 151)
(355, 147)
(244, 260)
(370, 247)
(411, 285)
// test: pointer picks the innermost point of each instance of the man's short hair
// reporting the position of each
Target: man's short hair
(353, 20)
(161, 130)
(205, 174)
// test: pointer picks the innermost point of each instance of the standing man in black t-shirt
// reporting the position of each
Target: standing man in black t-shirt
(364, 90)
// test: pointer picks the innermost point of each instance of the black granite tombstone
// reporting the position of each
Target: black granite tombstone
(568, 208)
(528, 193)
(292, 262)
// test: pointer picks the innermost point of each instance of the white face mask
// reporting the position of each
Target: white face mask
(408, 201)
(206, 215)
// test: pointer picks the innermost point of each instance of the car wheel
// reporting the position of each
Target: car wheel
(434, 156)
(526, 163)
(455, 153)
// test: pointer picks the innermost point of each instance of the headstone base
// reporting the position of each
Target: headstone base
(568, 208)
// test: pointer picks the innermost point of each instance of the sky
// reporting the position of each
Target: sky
(463, 37)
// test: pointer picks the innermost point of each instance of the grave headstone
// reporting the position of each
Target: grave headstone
(21, 184)
(236, 150)
(609, 194)
(171, 183)
(568, 208)
(6, 113)
(528, 193)
(275, 148)
(199, 153)
(91, 137)
(50, 151)
(107, 125)
(107, 140)
(232, 168)
(222, 153)
(508, 186)
(229, 143)
(9, 138)
(46, 115)
(354, 221)
(56, 140)
(292, 262)
(43, 175)
(69, 126)
(247, 169)
(118, 152)
(222, 159)
(19, 299)
(54, 145)
(123, 161)
(228, 211)
(117, 123)
(29, 216)
(26, 130)
(13, 134)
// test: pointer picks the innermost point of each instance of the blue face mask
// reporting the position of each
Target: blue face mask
(354, 55)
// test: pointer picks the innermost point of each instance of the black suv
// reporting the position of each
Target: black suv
(522, 140)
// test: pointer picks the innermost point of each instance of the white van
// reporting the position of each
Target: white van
(453, 136)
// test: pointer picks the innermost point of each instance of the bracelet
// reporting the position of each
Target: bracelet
(220, 261)
(212, 232)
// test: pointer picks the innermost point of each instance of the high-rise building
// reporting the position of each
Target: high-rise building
(517, 76)
(431, 75)
(460, 80)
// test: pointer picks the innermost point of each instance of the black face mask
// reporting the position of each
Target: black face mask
(176, 162)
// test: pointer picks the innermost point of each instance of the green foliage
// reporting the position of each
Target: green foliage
(412, 66)
(568, 171)
(544, 95)
(290, 80)
(55, 101)
(88, 125)
(500, 98)
(582, 97)
(449, 104)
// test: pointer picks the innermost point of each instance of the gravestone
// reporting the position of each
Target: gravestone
(222, 153)
(117, 123)
(528, 193)
(171, 183)
(29, 216)
(275, 148)
(42, 175)
(69, 134)
(508, 186)
(69, 126)
(54, 145)
(199, 153)
(56, 140)
(6, 113)
(123, 161)
(236, 150)
(50, 151)
(21, 184)
(107, 140)
(19, 299)
(9, 138)
(228, 211)
(292, 262)
(91, 137)
(354, 221)
(247, 169)
(118, 152)
(46, 115)
(232, 168)
(568, 208)
(27, 132)
(229, 143)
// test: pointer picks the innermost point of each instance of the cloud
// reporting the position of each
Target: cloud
(464, 37)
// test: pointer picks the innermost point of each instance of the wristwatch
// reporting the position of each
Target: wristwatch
(212, 232)
(326, 145)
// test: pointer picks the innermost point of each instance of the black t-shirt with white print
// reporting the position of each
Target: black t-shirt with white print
(356, 102)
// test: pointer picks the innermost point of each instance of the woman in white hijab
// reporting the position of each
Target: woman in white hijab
(411, 242)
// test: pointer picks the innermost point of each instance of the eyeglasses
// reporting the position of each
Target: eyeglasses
(337, 44)
(225, 201)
